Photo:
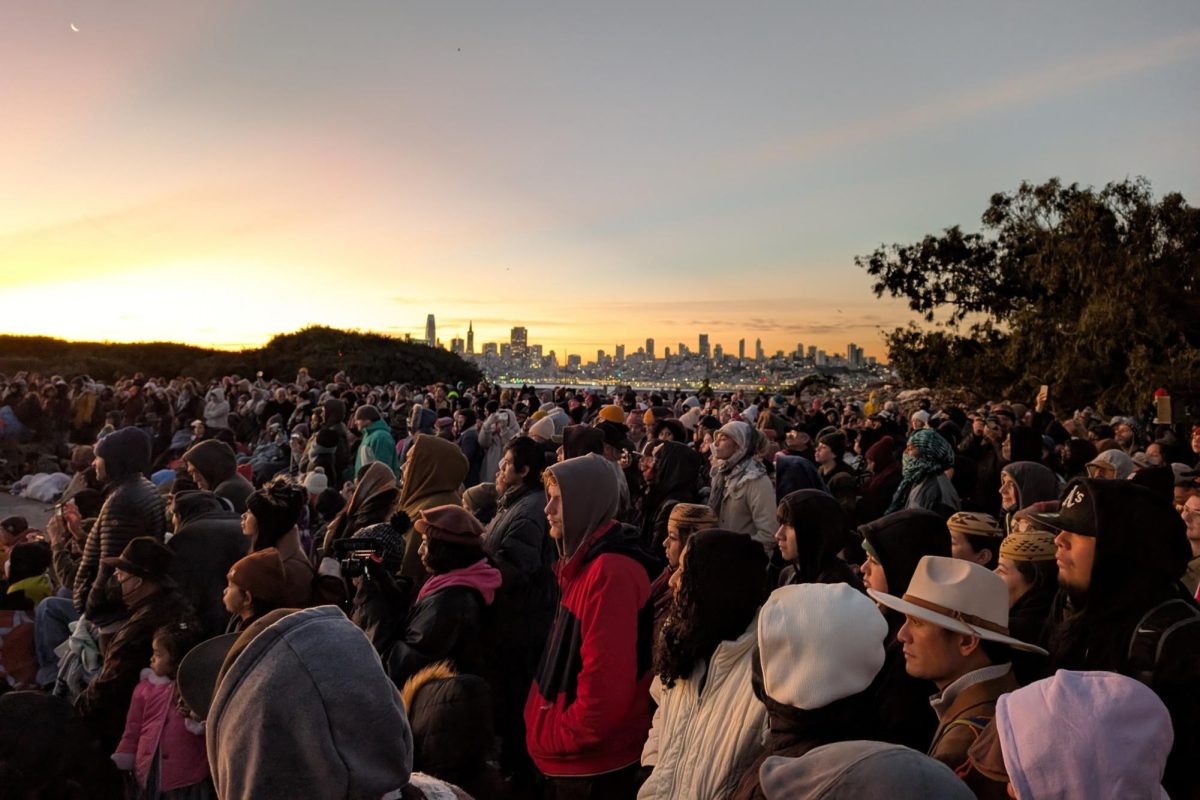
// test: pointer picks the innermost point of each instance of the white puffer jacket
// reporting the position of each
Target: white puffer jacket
(702, 741)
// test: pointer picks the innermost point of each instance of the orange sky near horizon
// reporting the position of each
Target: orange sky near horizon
(218, 173)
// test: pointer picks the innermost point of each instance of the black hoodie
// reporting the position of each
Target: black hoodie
(900, 541)
(822, 530)
(1141, 552)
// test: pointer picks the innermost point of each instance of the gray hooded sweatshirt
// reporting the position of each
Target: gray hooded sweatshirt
(306, 710)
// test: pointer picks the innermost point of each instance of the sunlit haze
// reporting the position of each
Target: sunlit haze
(218, 172)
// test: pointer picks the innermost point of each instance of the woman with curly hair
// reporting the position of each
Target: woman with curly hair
(709, 725)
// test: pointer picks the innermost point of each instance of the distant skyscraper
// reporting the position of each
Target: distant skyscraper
(741, 349)
(620, 354)
(456, 345)
(683, 351)
(718, 353)
(535, 352)
(430, 331)
(506, 350)
(489, 349)
(471, 337)
(519, 339)
(650, 348)
(704, 351)
(799, 350)
(758, 350)
(812, 352)
(599, 357)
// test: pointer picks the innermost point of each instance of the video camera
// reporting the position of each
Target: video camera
(353, 555)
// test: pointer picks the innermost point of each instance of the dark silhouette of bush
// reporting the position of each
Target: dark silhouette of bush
(367, 357)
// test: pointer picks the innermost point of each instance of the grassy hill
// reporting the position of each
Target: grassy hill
(369, 357)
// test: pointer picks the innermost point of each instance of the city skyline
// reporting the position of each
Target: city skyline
(216, 173)
(518, 346)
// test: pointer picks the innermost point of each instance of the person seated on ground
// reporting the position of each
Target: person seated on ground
(861, 769)
(453, 735)
(363, 748)
(255, 586)
(894, 545)
(813, 530)
(13, 531)
(820, 648)
(975, 537)
(149, 594)
(1120, 736)
(213, 466)
(26, 576)
(446, 621)
(270, 521)
(955, 634)
(708, 723)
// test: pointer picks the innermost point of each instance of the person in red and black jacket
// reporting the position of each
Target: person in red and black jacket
(588, 711)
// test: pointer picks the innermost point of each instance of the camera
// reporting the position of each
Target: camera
(354, 555)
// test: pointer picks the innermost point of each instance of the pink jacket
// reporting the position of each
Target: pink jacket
(154, 724)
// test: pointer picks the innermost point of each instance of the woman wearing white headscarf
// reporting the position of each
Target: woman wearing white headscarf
(742, 495)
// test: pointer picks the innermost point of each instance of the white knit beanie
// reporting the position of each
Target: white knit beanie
(316, 481)
(544, 428)
(819, 642)
(920, 415)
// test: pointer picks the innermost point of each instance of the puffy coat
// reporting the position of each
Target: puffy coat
(453, 738)
(707, 728)
(153, 722)
(444, 625)
(133, 508)
(749, 507)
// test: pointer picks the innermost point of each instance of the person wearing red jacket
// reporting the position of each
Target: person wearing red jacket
(588, 711)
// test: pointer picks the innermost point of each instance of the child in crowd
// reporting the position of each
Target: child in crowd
(164, 749)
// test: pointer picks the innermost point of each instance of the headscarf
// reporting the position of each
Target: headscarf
(934, 456)
(740, 467)
(373, 500)
(435, 466)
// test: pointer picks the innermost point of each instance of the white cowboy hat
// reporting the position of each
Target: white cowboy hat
(960, 596)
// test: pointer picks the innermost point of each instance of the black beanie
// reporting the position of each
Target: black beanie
(276, 507)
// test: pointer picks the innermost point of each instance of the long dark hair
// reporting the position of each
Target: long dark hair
(724, 581)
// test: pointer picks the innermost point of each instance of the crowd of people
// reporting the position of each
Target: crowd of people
(271, 588)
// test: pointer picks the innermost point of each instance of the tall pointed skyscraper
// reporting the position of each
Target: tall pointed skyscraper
(471, 337)
(430, 331)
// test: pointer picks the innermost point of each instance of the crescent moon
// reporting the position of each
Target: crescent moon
(74, 28)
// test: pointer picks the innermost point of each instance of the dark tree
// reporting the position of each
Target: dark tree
(1095, 292)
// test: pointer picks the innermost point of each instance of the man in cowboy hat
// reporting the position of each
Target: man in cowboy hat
(956, 634)
(149, 593)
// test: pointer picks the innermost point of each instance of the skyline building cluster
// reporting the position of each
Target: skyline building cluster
(519, 359)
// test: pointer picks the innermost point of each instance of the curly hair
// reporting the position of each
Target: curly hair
(724, 581)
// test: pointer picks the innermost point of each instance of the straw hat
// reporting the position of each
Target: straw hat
(960, 596)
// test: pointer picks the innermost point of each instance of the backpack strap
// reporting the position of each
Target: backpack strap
(1151, 634)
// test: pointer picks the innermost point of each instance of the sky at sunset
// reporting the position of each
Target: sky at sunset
(216, 172)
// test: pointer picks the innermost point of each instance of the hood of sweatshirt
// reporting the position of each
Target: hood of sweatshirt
(354, 740)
